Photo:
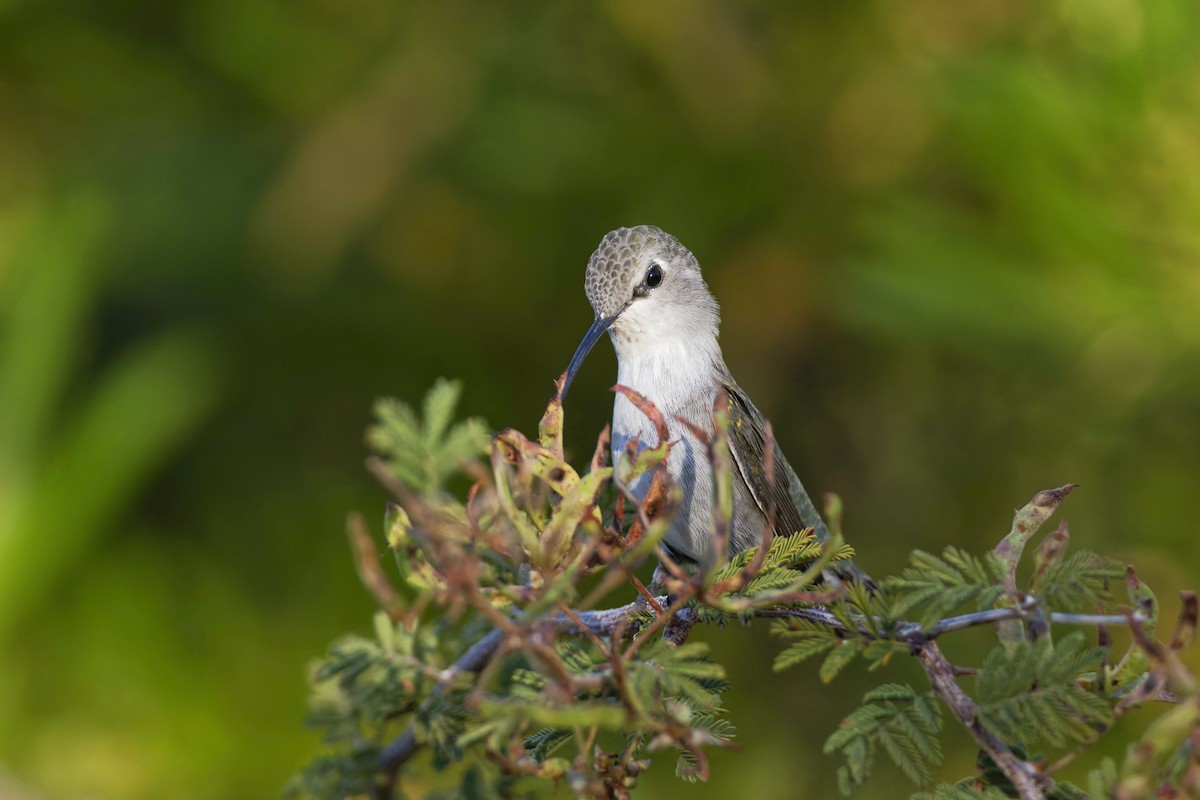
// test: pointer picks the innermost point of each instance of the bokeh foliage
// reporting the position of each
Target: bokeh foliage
(954, 243)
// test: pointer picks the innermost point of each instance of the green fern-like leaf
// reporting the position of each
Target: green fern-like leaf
(1102, 779)
(1079, 582)
(682, 672)
(880, 651)
(481, 781)
(897, 719)
(576, 655)
(423, 453)
(937, 585)
(350, 773)
(1029, 692)
(543, 743)
(786, 559)
(785, 552)
(526, 684)
(967, 789)
(794, 551)
(714, 727)
(810, 640)
(839, 657)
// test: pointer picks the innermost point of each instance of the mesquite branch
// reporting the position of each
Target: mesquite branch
(513, 557)
(605, 623)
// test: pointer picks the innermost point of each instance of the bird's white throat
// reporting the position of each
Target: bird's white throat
(673, 374)
(668, 356)
(667, 353)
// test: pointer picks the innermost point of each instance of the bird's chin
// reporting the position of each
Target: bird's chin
(641, 324)
(630, 342)
(648, 330)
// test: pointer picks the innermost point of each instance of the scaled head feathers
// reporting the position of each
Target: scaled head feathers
(620, 263)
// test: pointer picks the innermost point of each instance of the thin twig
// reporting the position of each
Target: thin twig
(913, 632)
(572, 615)
(1029, 783)
(658, 622)
(369, 570)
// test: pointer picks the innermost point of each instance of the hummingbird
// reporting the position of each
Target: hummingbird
(647, 293)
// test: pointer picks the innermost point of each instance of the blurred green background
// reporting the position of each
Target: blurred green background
(956, 246)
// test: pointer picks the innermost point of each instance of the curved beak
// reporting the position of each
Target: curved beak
(589, 340)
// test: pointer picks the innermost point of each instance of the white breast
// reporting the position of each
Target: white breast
(682, 380)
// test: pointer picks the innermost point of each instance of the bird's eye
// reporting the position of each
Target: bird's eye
(654, 276)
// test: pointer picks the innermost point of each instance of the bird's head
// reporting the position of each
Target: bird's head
(646, 290)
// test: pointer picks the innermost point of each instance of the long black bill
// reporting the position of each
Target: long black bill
(589, 340)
